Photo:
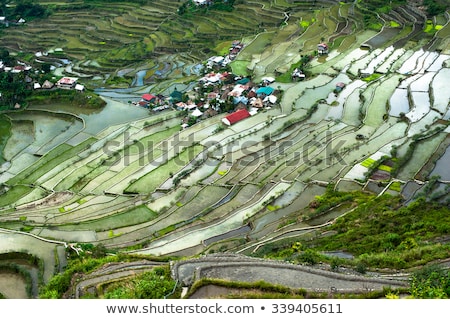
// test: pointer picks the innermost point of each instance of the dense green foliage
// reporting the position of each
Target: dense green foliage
(93, 257)
(379, 232)
(13, 89)
(431, 283)
(5, 57)
(383, 224)
(23, 9)
(60, 283)
(155, 284)
(371, 8)
(5, 126)
(435, 7)
(86, 99)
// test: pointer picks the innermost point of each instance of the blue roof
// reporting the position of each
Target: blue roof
(267, 90)
(240, 99)
(243, 81)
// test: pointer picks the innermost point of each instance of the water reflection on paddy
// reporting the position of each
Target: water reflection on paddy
(441, 168)
(399, 102)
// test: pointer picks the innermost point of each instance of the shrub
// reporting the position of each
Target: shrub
(309, 257)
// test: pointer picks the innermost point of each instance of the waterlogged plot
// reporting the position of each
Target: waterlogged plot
(425, 61)
(377, 108)
(406, 82)
(195, 209)
(352, 107)
(149, 182)
(312, 95)
(425, 123)
(438, 63)
(441, 167)
(160, 247)
(421, 154)
(18, 164)
(78, 236)
(21, 135)
(440, 91)
(388, 64)
(422, 84)
(292, 94)
(43, 249)
(350, 58)
(357, 66)
(132, 217)
(336, 112)
(358, 172)
(399, 103)
(378, 60)
(421, 106)
(50, 129)
(411, 63)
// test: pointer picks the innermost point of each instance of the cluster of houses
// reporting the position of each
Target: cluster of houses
(223, 91)
(203, 2)
(4, 21)
(223, 61)
(63, 83)
(20, 67)
(215, 93)
(66, 83)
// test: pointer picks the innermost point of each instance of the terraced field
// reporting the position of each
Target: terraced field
(140, 184)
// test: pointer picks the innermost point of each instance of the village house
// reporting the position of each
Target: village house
(236, 117)
(222, 61)
(47, 85)
(322, 48)
(339, 86)
(79, 87)
(298, 75)
(67, 83)
(203, 2)
(212, 78)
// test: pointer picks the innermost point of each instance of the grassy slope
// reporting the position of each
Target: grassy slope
(5, 126)
(380, 231)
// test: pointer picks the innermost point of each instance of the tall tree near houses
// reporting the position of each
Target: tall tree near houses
(3, 4)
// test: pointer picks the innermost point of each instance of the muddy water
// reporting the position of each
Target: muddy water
(382, 37)
(12, 286)
(97, 120)
(441, 168)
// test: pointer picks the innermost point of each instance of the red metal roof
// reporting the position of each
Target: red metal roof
(67, 80)
(237, 116)
(148, 97)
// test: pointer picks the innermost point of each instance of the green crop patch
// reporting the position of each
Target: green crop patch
(368, 162)
(5, 127)
(14, 194)
(49, 161)
(148, 183)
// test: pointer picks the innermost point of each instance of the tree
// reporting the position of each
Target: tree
(3, 6)
(6, 57)
(13, 88)
(26, 8)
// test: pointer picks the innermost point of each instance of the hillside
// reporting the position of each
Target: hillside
(334, 169)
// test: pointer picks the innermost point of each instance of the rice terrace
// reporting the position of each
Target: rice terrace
(224, 149)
